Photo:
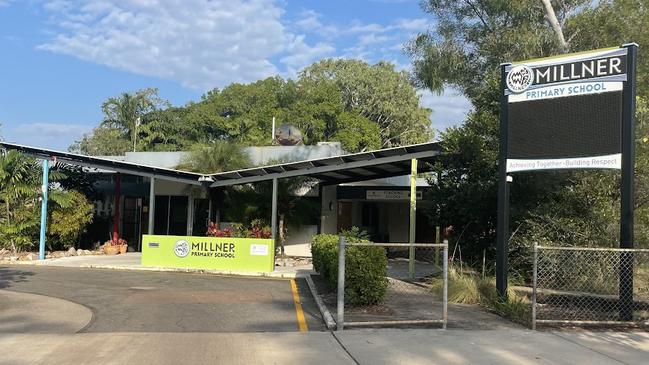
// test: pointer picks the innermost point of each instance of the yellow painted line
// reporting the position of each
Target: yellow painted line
(301, 322)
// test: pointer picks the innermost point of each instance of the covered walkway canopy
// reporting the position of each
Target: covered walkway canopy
(330, 170)
(397, 161)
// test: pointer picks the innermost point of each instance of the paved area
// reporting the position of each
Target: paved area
(172, 318)
(513, 346)
(371, 347)
(32, 313)
(129, 301)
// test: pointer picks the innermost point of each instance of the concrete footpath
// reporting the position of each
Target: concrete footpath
(384, 346)
(36, 329)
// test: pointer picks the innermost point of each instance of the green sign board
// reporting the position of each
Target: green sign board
(213, 253)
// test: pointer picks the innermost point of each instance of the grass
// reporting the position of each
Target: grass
(467, 287)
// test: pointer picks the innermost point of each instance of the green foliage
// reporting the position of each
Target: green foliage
(365, 267)
(362, 106)
(20, 182)
(464, 51)
(125, 111)
(102, 141)
(69, 220)
(215, 157)
(379, 93)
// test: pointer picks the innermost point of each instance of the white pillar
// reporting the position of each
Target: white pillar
(151, 203)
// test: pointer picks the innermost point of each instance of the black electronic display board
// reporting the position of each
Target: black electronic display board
(566, 112)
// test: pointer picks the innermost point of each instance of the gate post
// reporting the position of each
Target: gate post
(445, 295)
(535, 275)
(341, 284)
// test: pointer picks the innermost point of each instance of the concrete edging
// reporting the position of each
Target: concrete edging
(326, 315)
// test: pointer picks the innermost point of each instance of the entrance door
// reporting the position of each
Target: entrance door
(171, 215)
(344, 216)
(178, 215)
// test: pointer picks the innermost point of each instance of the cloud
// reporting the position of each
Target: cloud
(198, 43)
(55, 135)
(449, 108)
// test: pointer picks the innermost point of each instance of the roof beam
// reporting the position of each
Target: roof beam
(330, 168)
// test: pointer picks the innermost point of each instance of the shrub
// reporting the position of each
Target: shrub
(467, 287)
(365, 271)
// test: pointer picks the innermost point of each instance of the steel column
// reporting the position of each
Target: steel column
(151, 204)
(502, 231)
(116, 207)
(44, 191)
(413, 218)
(273, 218)
(627, 186)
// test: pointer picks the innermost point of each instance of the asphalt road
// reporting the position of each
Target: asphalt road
(128, 301)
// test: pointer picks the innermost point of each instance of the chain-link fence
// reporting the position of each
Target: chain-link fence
(410, 290)
(590, 286)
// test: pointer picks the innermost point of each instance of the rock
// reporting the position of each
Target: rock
(71, 252)
(80, 253)
(87, 252)
(29, 257)
(13, 258)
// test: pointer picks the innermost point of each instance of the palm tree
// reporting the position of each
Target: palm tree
(215, 157)
(125, 111)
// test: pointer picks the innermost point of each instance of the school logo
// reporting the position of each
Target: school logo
(181, 248)
(519, 79)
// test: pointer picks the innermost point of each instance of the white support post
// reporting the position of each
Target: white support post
(413, 217)
(151, 204)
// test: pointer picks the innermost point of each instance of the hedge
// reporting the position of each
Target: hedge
(365, 269)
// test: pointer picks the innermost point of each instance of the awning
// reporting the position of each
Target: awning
(330, 170)
(108, 164)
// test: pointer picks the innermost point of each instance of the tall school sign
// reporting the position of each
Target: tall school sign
(574, 111)
(212, 253)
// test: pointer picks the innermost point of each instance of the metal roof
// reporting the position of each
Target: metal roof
(330, 170)
(108, 164)
(339, 169)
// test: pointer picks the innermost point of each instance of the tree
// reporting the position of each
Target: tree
(103, 141)
(379, 93)
(470, 41)
(17, 182)
(124, 112)
(69, 212)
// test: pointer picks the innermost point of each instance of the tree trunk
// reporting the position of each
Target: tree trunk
(554, 22)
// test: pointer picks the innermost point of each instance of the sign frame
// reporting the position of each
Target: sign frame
(626, 165)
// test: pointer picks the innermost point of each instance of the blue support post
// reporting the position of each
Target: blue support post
(44, 188)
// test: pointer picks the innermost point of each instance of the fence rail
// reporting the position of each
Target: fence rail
(590, 286)
(410, 299)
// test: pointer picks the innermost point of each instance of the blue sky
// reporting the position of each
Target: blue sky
(60, 59)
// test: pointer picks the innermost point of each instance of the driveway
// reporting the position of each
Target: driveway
(127, 301)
